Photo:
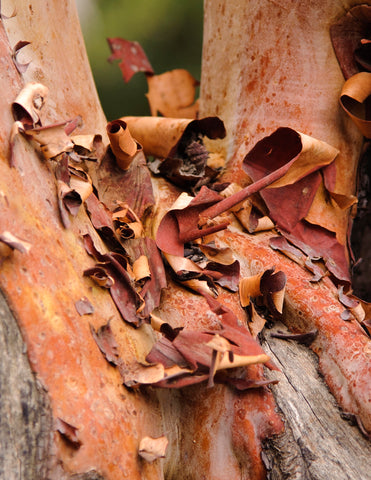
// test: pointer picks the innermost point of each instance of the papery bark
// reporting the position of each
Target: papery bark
(287, 75)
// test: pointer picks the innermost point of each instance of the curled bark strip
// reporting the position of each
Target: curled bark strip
(346, 36)
(53, 139)
(123, 146)
(304, 338)
(14, 242)
(354, 95)
(68, 432)
(21, 67)
(84, 307)
(161, 136)
(179, 225)
(29, 102)
(153, 448)
(106, 342)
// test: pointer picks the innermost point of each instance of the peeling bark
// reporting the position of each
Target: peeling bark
(213, 433)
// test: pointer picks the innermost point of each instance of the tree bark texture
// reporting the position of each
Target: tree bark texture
(213, 433)
(25, 415)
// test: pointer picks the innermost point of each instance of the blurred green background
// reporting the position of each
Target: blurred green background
(170, 32)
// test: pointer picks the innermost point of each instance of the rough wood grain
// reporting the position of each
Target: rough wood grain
(318, 444)
(25, 415)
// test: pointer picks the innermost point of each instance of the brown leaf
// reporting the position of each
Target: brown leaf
(226, 276)
(267, 284)
(69, 202)
(249, 287)
(153, 448)
(88, 147)
(317, 242)
(190, 274)
(156, 281)
(133, 59)
(172, 94)
(256, 322)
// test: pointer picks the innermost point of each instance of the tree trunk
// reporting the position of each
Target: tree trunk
(267, 65)
(65, 405)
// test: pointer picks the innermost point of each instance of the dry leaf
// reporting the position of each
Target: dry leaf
(172, 94)
(134, 185)
(80, 182)
(304, 338)
(249, 287)
(153, 448)
(268, 284)
(88, 147)
(133, 59)
(129, 303)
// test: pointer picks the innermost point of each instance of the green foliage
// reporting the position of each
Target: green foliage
(170, 32)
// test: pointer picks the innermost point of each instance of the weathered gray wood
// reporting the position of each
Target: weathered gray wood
(318, 444)
(25, 417)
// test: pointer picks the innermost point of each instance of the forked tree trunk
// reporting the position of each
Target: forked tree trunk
(51, 369)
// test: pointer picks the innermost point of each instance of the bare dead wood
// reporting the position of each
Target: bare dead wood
(318, 443)
(25, 415)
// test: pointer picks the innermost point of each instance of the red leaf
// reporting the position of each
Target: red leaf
(132, 56)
